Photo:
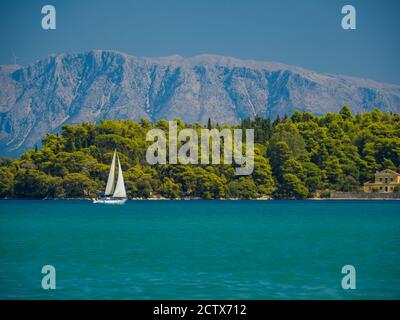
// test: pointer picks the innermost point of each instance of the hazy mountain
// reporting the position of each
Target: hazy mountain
(75, 87)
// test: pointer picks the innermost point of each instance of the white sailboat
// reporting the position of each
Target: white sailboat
(115, 193)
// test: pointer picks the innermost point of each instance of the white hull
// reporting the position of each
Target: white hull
(110, 201)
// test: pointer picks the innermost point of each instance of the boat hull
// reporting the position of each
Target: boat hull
(109, 201)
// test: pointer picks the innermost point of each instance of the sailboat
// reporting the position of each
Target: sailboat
(114, 193)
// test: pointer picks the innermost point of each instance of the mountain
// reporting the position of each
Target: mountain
(75, 87)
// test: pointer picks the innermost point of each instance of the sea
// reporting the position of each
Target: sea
(198, 249)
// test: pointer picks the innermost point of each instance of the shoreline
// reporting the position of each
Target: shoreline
(200, 199)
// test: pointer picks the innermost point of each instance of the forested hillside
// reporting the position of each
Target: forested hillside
(294, 158)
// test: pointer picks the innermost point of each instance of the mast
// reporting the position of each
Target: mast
(110, 181)
(120, 187)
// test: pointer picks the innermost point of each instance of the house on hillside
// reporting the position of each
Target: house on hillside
(385, 181)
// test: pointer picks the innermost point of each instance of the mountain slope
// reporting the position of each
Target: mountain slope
(75, 87)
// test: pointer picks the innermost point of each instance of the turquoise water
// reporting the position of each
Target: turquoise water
(200, 249)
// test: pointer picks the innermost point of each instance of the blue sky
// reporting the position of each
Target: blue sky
(305, 33)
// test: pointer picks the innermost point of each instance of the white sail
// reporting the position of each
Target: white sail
(120, 187)
(110, 181)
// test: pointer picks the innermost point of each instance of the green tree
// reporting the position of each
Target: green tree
(348, 184)
(292, 187)
(278, 154)
(79, 185)
(209, 126)
(345, 113)
(35, 184)
(6, 182)
(287, 132)
(243, 188)
(170, 189)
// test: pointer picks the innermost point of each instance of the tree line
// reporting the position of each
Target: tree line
(296, 157)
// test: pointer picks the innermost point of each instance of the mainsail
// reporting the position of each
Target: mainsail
(110, 181)
(120, 186)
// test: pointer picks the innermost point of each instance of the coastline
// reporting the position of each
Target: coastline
(200, 199)
(66, 170)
